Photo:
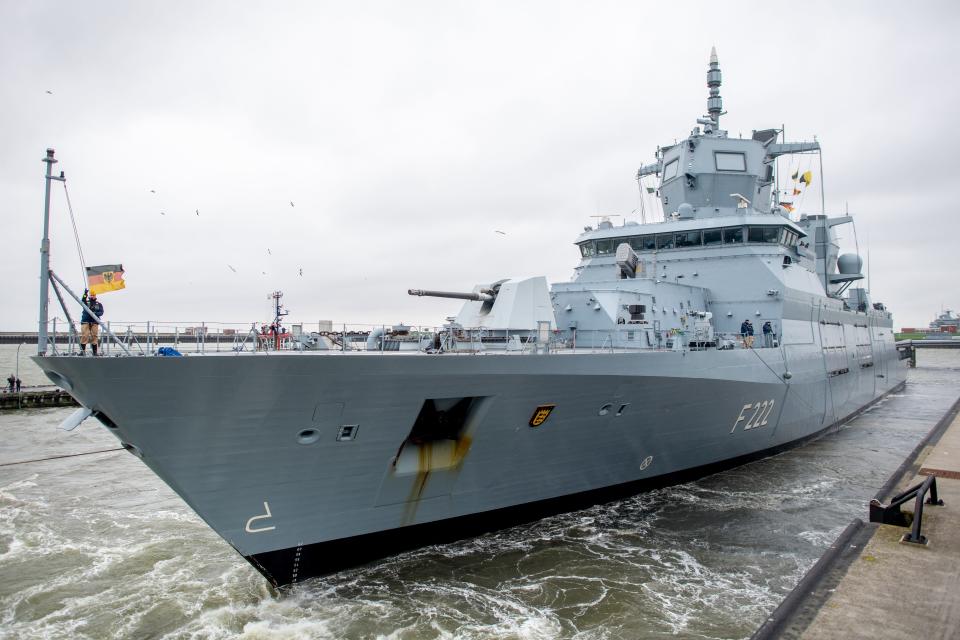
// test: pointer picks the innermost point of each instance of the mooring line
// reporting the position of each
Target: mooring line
(68, 455)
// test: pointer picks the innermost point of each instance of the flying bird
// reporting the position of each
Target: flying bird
(162, 213)
(231, 268)
(198, 212)
(153, 190)
(301, 272)
(50, 92)
(270, 252)
(500, 232)
(291, 203)
(264, 272)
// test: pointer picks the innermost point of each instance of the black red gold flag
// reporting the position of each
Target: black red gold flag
(106, 277)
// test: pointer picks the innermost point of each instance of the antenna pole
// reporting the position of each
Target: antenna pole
(45, 259)
(823, 206)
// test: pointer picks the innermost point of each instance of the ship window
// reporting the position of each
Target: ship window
(649, 243)
(604, 247)
(733, 235)
(788, 238)
(712, 236)
(763, 234)
(730, 161)
(670, 171)
(665, 241)
(687, 239)
(587, 249)
(635, 243)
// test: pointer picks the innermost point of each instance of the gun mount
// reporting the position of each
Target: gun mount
(484, 295)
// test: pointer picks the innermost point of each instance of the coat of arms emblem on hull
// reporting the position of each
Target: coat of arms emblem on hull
(540, 414)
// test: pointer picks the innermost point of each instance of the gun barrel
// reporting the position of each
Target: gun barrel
(478, 297)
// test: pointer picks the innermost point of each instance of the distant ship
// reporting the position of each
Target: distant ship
(640, 372)
(946, 322)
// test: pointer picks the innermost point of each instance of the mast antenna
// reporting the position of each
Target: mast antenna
(714, 102)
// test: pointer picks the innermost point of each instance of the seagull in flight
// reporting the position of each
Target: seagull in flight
(162, 213)
(153, 190)
(503, 233)
(301, 272)
(198, 213)
(291, 203)
(50, 92)
(269, 252)
(231, 268)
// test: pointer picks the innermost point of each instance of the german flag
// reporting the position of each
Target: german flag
(106, 277)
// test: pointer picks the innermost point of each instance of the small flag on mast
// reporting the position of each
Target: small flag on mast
(106, 277)
(807, 177)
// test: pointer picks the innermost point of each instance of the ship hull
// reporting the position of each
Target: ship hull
(227, 433)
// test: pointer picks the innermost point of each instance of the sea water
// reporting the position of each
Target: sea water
(94, 546)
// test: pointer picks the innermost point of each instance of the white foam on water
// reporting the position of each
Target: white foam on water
(97, 548)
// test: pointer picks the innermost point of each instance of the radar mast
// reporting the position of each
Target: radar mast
(714, 102)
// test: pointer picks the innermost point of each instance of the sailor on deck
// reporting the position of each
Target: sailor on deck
(746, 333)
(89, 328)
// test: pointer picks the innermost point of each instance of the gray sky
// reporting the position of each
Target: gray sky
(405, 134)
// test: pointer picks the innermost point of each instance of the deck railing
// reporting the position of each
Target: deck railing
(142, 338)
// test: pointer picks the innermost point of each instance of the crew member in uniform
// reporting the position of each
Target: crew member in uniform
(767, 334)
(89, 329)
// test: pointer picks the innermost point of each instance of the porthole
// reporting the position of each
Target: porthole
(308, 436)
(605, 409)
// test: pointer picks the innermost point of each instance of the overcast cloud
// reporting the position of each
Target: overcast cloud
(405, 134)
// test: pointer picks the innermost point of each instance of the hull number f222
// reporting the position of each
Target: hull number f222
(754, 415)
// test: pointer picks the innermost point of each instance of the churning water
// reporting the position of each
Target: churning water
(94, 546)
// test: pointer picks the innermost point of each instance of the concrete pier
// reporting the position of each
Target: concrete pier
(36, 397)
(871, 584)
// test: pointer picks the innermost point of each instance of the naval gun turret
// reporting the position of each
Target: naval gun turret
(513, 304)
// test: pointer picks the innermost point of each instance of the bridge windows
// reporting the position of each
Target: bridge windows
(733, 235)
(605, 247)
(665, 241)
(712, 236)
(754, 234)
(687, 239)
(764, 234)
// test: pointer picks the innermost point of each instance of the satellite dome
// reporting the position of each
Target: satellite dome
(849, 263)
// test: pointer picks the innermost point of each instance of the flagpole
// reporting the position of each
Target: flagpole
(45, 259)
(823, 207)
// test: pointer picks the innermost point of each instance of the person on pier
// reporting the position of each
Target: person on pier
(89, 327)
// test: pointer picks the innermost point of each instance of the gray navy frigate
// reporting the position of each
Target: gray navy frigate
(535, 399)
